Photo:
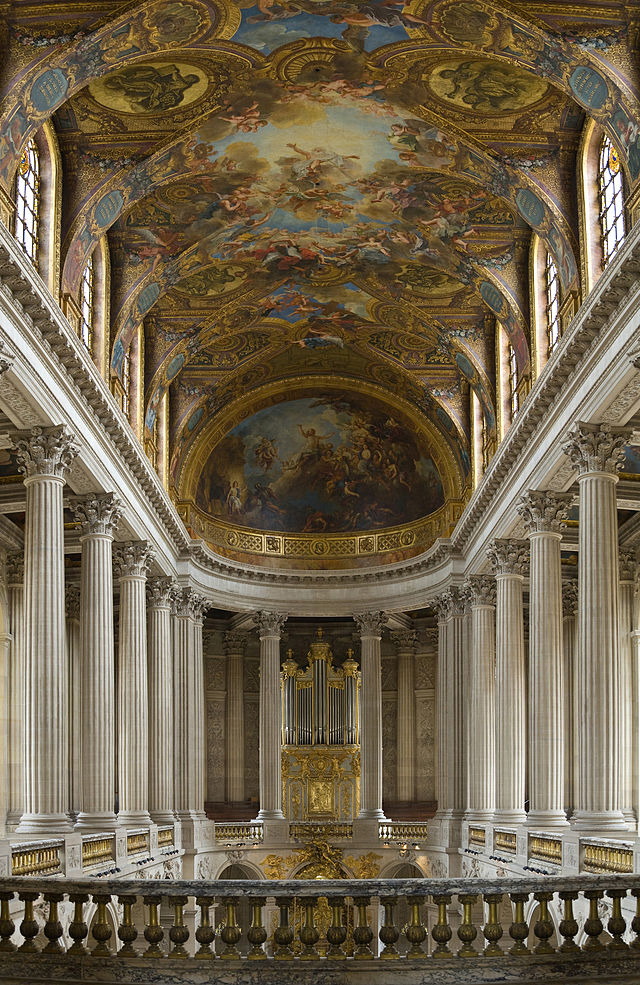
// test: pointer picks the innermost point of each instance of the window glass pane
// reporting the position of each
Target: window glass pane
(610, 189)
(27, 201)
(86, 305)
(514, 399)
(552, 292)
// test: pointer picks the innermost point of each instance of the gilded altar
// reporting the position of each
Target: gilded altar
(320, 736)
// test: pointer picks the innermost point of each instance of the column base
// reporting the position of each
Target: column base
(629, 815)
(134, 819)
(485, 815)
(547, 819)
(598, 821)
(13, 820)
(44, 824)
(264, 815)
(189, 815)
(104, 821)
(372, 814)
(163, 817)
(508, 816)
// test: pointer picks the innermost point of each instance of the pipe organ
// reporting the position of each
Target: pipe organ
(320, 736)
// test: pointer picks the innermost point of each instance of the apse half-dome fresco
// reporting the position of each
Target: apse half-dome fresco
(320, 464)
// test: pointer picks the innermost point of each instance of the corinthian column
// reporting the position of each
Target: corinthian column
(132, 562)
(597, 452)
(572, 725)
(510, 561)
(161, 698)
(625, 628)
(543, 514)
(234, 646)
(370, 625)
(98, 518)
(270, 628)
(406, 642)
(15, 585)
(189, 735)
(481, 746)
(450, 697)
(46, 455)
(74, 669)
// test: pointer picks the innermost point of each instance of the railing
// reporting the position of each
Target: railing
(403, 830)
(602, 857)
(36, 859)
(308, 830)
(97, 850)
(545, 849)
(505, 841)
(363, 919)
(233, 831)
(165, 837)
(137, 841)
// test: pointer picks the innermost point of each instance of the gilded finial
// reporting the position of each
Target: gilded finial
(320, 632)
(350, 654)
(289, 654)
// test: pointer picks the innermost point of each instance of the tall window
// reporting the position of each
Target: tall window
(28, 201)
(126, 381)
(611, 200)
(484, 443)
(86, 305)
(514, 398)
(552, 308)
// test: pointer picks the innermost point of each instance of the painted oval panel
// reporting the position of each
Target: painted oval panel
(150, 88)
(321, 464)
(486, 86)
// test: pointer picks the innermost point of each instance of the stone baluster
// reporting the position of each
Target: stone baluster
(543, 514)
(46, 455)
(572, 726)
(270, 767)
(370, 626)
(597, 452)
(161, 699)
(625, 628)
(74, 666)
(234, 646)
(406, 642)
(98, 517)
(15, 739)
(132, 561)
(481, 705)
(510, 562)
(190, 748)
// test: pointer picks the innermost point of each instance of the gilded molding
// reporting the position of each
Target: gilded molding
(133, 559)
(596, 447)
(544, 511)
(45, 451)
(509, 556)
(98, 514)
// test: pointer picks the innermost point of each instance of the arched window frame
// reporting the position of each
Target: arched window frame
(27, 197)
(610, 200)
(87, 311)
(513, 380)
(552, 304)
(49, 198)
(592, 255)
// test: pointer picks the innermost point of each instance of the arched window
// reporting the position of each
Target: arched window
(28, 201)
(86, 305)
(514, 398)
(611, 200)
(552, 303)
(126, 381)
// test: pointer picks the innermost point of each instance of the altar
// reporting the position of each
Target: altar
(320, 736)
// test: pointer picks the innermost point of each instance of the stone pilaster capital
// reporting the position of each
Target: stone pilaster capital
(442, 605)
(370, 624)
(450, 603)
(596, 447)
(235, 643)
(201, 605)
(405, 640)
(569, 597)
(543, 511)
(45, 451)
(628, 566)
(509, 556)
(98, 514)
(159, 593)
(132, 559)
(270, 623)
(188, 604)
(72, 602)
(481, 590)
(15, 568)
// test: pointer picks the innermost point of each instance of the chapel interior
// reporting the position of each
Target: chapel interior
(319, 480)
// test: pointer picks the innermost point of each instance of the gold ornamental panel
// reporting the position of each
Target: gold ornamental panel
(321, 784)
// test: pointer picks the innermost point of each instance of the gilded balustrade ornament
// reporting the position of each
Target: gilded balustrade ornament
(596, 447)
(543, 511)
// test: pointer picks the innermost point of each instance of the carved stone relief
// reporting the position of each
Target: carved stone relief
(215, 749)
(425, 731)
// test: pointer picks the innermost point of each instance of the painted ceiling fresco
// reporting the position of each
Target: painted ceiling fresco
(303, 187)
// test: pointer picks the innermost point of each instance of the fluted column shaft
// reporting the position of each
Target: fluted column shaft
(509, 559)
(481, 798)
(132, 564)
(370, 625)
(597, 452)
(442, 781)
(572, 725)
(16, 696)
(199, 780)
(625, 628)
(161, 699)
(406, 643)
(270, 766)
(451, 779)
(46, 454)
(189, 735)
(235, 644)
(74, 668)
(98, 518)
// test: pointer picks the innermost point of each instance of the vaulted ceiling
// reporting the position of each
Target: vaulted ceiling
(306, 197)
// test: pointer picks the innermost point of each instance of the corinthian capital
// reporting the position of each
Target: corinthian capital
(370, 623)
(544, 512)
(569, 598)
(7, 357)
(509, 557)
(15, 568)
(451, 603)
(270, 623)
(234, 642)
(159, 593)
(45, 451)
(72, 602)
(98, 514)
(596, 447)
(628, 566)
(481, 590)
(133, 559)
(405, 639)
